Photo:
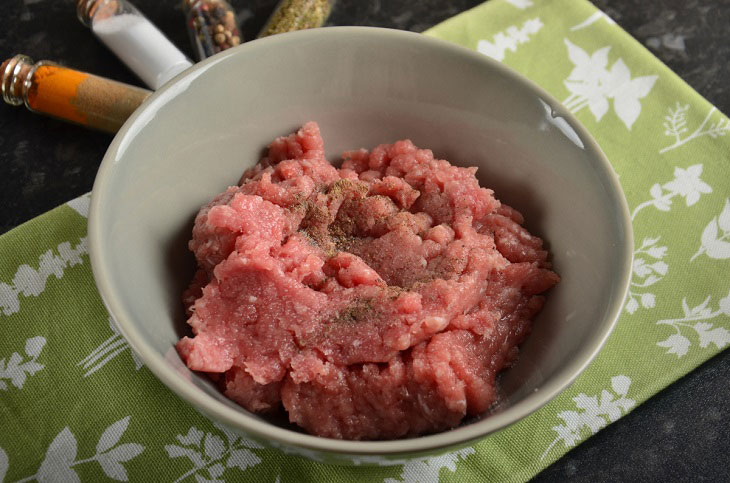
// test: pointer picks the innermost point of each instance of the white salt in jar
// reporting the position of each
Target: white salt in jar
(134, 39)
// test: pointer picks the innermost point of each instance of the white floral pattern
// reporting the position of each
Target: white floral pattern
(591, 20)
(108, 350)
(649, 267)
(594, 412)
(695, 319)
(592, 84)
(61, 455)
(509, 39)
(713, 244)
(211, 454)
(425, 469)
(4, 464)
(81, 204)
(31, 282)
(646, 272)
(521, 4)
(675, 125)
(686, 183)
(17, 371)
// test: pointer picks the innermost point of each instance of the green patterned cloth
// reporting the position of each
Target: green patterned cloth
(76, 403)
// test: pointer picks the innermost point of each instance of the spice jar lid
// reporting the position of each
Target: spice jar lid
(86, 10)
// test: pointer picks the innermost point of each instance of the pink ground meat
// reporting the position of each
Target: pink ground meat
(375, 301)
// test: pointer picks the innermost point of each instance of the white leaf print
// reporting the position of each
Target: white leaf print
(108, 350)
(713, 244)
(599, 107)
(426, 470)
(234, 437)
(686, 183)
(18, 371)
(591, 20)
(648, 300)
(645, 275)
(30, 282)
(509, 39)
(4, 464)
(230, 433)
(676, 122)
(581, 59)
(627, 109)
(663, 204)
(216, 470)
(175, 451)
(656, 191)
(709, 234)
(111, 461)
(81, 204)
(612, 411)
(660, 267)
(34, 346)
(194, 436)
(521, 4)
(592, 84)
(632, 305)
(685, 308)
(723, 221)
(707, 333)
(627, 94)
(60, 456)
(725, 305)
(571, 418)
(677, 344)
(214, 446)
(124, 452)
(242, 459)
(215, 451)
(620, 385)
(113, 469)
(112, 435)
(594, 415)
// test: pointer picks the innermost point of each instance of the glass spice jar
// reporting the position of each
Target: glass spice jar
(291, 15)
(212, 26)
(134, 39)
(68, 94)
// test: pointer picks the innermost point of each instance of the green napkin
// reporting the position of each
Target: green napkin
(75, 401)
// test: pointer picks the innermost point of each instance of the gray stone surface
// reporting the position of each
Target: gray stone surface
(682, 434)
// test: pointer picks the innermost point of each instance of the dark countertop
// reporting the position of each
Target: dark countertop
(681, 434)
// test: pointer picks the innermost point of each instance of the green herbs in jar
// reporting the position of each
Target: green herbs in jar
(291, 15)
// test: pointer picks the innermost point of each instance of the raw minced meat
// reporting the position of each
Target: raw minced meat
(375, 301)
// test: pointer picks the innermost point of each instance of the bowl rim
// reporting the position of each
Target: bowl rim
(266, 431)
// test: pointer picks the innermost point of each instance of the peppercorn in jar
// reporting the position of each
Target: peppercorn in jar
(212, 26)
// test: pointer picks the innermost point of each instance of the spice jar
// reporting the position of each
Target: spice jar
(134, 39)
(290, 15)
(212, 26)
(69, 94)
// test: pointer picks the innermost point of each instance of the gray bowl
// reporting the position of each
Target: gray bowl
(364, 86)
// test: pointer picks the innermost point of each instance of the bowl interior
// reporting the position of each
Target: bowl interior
(364, 87)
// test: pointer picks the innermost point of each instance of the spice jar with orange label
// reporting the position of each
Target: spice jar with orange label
(69, 94)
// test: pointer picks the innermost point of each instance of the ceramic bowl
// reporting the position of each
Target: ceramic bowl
(364, 86)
